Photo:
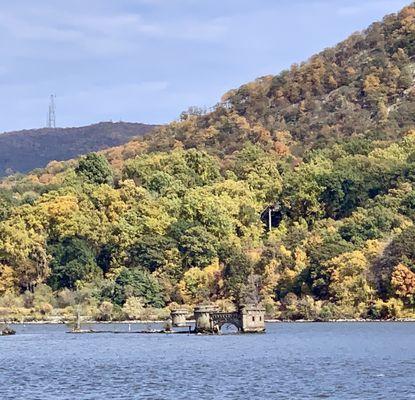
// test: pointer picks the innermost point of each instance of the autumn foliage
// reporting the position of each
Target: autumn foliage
(302, 183)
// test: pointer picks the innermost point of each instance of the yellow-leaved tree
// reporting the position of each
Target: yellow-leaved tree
(8, 281)
(349, 286)
(199, 285)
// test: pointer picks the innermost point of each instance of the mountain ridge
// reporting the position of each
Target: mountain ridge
(24, 150)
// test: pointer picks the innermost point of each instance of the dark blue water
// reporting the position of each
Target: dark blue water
(291, 361)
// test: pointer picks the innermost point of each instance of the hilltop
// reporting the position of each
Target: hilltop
(363, 87)
(174, 216)
(22, 151)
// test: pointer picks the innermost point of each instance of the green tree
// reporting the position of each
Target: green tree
(73, 261)
(95, 168)
(198, 247)
(137, 282)
(259, 169)
(238, 267)
(321, 250)
(150, 252)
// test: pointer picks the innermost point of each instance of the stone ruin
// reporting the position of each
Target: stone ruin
(248, 318)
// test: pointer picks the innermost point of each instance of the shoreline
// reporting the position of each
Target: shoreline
(268, 321)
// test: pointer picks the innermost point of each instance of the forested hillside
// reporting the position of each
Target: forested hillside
(175, 217)
(23, 151)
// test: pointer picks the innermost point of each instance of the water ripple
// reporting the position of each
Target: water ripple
(291, 361)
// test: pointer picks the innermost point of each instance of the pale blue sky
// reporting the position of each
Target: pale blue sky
(148, 60)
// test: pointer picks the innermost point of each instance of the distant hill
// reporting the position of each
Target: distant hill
(22, 151)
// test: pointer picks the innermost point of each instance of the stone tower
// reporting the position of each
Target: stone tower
(252, 318)
(178, 317)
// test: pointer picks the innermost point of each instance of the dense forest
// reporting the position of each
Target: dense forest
(177, 217)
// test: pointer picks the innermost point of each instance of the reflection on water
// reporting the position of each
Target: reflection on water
(290, 361)
(229, 329)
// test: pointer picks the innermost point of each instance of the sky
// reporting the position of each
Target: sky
(149, 60)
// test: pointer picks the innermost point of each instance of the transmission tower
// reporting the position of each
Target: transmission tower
(51, 120)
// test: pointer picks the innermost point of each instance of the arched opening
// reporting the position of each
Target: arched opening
(228, 328)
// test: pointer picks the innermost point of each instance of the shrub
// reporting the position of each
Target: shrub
(46, 309)
(105, 311)
(133, 308)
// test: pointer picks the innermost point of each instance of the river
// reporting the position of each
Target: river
(290, 361)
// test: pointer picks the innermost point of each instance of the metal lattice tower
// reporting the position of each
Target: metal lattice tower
(51, 120)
